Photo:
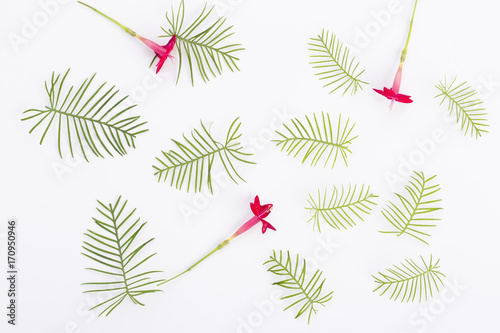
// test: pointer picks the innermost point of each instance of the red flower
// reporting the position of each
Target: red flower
(162, 52)
(393, 93)
(260, 212)
(390, 94)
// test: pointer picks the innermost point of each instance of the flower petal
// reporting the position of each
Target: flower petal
(159, 50)
(261, 211)
(388, 93)
(266, 210)
(403, 98)
(160, 63)
(170, 45)
(266, 225)
(380, 92)
(255, 206)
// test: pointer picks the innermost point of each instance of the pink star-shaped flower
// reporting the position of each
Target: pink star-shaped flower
(260, 212)
(162, 52)
(393, 93)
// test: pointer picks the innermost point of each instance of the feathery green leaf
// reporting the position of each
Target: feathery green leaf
(343, 208)
(194, 160)
(409, 280)
(203, 43)
(317, 140)
(306, 293)
(113, 247)
(95, 123)
(463, 102)
(412, 217)
(334, 64)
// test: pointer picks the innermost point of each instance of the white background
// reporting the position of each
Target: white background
(450, 37)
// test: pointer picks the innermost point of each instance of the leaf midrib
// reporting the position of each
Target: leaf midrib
(411, 278)
(416, 207)
(462, 109)
(335, 60)
(185, 40)
(343, 206)
(91, 120)
(122, 266)
(194, 159)
(311, 301)
(316, 141)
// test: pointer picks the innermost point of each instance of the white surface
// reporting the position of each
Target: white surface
(450, 37)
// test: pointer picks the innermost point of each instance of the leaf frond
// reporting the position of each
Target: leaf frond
(342, 208)
(334, 64)
(306, 292)
(317, 140)
(412, 216)
(92, 121)
(203, 43)
(462, 100)
(191, 165)
(114, 249)
(409, 281)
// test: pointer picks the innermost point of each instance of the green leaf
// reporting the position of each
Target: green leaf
(96, 122)
(334, 64)
(409, 280)
(343, 208)
(203, 43)
(114, 248)
(192, 164)
(412, 217)
(462, 101)
(317, 140)
(306, 292)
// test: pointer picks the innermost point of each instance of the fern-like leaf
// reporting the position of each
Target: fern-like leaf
(113, 247)
(306, 293)
(203, 43)
(194, 160)
(463, 102)
(412, 217)
(317, 140)
(343, 208)
(409, 280)
(334, 63)
(95, 123)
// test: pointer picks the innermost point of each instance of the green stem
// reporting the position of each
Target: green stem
(127, 30)
(403, 54)
(219, 247)
(122, 266)
(197, 158)
(420, 197)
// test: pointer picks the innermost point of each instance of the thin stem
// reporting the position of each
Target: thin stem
(403, 54)
(195, 159)
(458, 105)
(207, 46)
(127, 30)
(420, 197)
(297, 282)
(122, 266)
(318, 141)
(334, 56)
(220, 246)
